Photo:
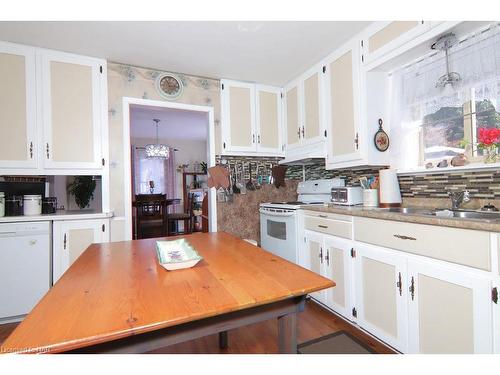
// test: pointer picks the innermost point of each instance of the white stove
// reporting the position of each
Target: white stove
(279, 220)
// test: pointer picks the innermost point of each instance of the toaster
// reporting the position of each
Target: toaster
(347, 196)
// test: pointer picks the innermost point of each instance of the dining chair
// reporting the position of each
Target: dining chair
(151, 215)
(187, 217)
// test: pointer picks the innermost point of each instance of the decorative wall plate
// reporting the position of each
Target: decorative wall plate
(381, 138)
(169, 86)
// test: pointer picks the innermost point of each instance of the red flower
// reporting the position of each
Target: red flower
(489, 136)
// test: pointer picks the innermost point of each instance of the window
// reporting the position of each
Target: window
(429, 124)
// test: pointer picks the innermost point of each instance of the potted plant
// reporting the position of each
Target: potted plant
(82, 188)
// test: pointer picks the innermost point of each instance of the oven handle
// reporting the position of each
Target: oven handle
(280, 214)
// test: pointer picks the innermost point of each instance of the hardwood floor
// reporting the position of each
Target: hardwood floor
(261, 338)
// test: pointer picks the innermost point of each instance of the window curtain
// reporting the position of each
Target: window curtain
(161, 171)
(414, 93)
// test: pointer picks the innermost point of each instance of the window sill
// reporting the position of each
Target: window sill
(472, 167)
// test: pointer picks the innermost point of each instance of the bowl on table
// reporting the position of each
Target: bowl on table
(176, 254)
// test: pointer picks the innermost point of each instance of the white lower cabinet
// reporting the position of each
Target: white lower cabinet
(329, 256)
(449, 310)
(72, 237)
(381, 304)
(496, 315)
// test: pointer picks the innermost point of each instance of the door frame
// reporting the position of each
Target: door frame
(127, 157)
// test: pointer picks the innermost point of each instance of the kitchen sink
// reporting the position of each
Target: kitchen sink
(445, 213)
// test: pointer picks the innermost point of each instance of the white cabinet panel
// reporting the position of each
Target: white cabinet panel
(381, 303)
(339, 269)
(71, 238)
(343, 105)
(269, 119)
(315, 259)
(71, 93)
(293, 126)
(18, 140)
(449, 310)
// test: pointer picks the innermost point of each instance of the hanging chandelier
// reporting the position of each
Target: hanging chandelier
(157, 150)
(449, 79)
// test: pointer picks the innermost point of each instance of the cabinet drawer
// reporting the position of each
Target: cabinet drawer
(334, 227)
(462, 246)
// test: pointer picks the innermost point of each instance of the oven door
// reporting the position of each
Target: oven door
(278, 232)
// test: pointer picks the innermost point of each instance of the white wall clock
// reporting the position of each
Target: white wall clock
(169, 86)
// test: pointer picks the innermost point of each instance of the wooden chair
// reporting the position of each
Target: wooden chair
(151, 215)
(187, 217)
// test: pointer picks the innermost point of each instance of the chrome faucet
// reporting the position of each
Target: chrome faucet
(458, 197)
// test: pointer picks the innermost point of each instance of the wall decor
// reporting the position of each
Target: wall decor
(381, 138)
(169, 86)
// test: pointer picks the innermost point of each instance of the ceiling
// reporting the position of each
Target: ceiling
(174, 123)
(265, 52)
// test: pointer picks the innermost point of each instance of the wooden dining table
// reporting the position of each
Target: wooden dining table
(116, 298)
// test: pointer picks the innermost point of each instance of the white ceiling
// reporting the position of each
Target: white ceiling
(174, 123)
(265, 52)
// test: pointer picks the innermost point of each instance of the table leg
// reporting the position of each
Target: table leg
(223, 341)
(287, 334)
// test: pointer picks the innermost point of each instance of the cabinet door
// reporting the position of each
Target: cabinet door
(381, 303)
(238, 120)
(449, 310)
(385, 36)
(293, 127)
(268, 114)
(315, 259)
(71, 238)
(338, 267)
(495, 291)
(312, 124)
(343, 105)
(71, 95)
(18, 146)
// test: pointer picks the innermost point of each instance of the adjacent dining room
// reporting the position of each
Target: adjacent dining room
(169, 171)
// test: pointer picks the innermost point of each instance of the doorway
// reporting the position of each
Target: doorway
(178, 128)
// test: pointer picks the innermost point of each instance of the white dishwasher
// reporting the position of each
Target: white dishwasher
(24, 267)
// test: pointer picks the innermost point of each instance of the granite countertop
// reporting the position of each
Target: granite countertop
(59, 215)
(419, 218)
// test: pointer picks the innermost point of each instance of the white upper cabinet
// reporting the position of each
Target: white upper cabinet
(53, 111)
(343, 105)
(18, 140)
(269, 119)
(251, 119)
(305, 127)
(385, 36)
(71, 110)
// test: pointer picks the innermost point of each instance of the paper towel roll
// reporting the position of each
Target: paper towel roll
(389, 187)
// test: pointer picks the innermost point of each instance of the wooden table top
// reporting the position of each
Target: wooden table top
(118, 289)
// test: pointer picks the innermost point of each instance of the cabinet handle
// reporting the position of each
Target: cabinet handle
(31, 150)
(253, 138)
(48, 151)
(258, 139)
(323, 226)
(303, 135)
(399, 284)
(103, 228)
(64, 241)
(321, 254)
(356, 141)
(327, 258)
(323, 216)
(401, 237)
(494, 295)
(298, 132)
(412, 288)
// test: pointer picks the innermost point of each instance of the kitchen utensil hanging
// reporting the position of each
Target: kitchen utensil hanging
(250, 184)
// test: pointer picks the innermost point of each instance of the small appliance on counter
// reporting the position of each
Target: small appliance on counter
(390, 194)
(14, 205)
(32, 205)
(49, 205)
(2, 204)
(347, 196)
